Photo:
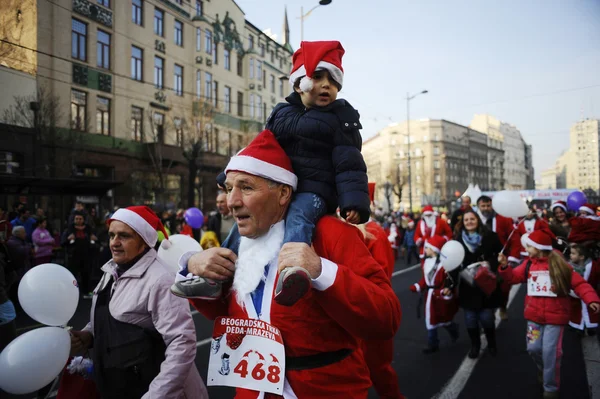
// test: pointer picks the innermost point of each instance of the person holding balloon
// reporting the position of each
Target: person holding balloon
(145, 346)
(547, 305)
(480, 245)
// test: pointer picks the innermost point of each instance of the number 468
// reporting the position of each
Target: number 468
(258, 373)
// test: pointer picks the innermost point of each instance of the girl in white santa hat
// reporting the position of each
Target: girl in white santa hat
(547, 305)
(439, 309)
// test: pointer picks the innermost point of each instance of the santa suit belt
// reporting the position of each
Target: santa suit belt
(433, 287)
(317, 360)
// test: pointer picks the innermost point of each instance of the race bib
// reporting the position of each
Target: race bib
(247, 353)
(539, 284)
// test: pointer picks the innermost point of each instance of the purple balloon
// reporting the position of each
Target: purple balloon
(194, 217)
(575, 200)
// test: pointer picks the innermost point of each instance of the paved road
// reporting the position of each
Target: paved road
(446, 374)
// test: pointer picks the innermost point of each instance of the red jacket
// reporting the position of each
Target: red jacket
(439, 310)
(548, 310)
(580, 314)
(380, 248)
(441, 228)
(524, 227)
(359, 305)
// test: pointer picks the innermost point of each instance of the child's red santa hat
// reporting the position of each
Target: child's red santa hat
(540, 240)
(427, 210)
(264, 157)
(559, 204)
(142, 220)
(314, 56)
(435, 243)
(588, 208)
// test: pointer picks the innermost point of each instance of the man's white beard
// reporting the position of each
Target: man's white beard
(429, 220)
(253, 255)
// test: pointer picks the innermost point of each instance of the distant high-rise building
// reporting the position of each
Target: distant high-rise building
(585, 148)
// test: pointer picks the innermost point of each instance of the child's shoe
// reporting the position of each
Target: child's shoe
(293, 283)
(197, 288)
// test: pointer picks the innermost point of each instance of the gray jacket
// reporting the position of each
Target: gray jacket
(142, 296)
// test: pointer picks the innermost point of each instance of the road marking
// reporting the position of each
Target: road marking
(408, 269)
(454, 387)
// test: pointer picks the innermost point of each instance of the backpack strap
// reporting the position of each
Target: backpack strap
(527, 266)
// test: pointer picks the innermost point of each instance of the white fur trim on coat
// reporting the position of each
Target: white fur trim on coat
(264, 169)
(335, 72)
(137, 223)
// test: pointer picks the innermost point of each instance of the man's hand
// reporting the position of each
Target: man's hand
(213, 263)
(446, 291)
(300, 254)
(71, 237)
(80, 341)
(353, 217)
(94, 238)
(595, 306)
(419, 242)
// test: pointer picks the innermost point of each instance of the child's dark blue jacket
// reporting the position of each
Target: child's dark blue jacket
(324, 145)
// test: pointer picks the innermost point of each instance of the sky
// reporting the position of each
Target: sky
(532, 63)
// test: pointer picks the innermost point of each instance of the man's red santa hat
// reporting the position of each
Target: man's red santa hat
(588, 208)
(264, 157)
(540, 240)
(142, 220)
(315, 56)
(559, 204)
(427, 210)
(435, 243)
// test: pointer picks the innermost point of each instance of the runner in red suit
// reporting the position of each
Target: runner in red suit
(430, 225)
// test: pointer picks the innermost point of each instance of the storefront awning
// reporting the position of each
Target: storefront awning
(27, 185)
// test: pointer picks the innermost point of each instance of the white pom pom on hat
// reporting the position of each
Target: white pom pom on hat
(314, 56)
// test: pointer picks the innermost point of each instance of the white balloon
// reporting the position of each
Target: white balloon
(452, 255)
(34, 359)
(170, 251)
(509, 204)
(49, 294)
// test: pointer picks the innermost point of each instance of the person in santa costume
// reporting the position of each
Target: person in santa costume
(560, 225)
(547, 305)
(144, 339)
(350, 299)
(530, 223)
(430, 225)
(439, 309)
(582, 318)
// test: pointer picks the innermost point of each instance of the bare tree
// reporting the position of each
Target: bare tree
(160, 132)
(398, 179)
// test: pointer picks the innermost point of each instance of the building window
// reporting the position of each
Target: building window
(137, 62)
(178, 33)
(227, 59)
(240, 66)
(264, 79)
(178, 131)
(159, 127)
(436, 164)
(198, 84)
(198, 8)
(250, 42)
(251, 106)
(103, 115)
(178, 80)
(436, 150)
(262, 50)
(216, 94)
(137, 12)
(258, 70)
(159, 70)
(251, 68)
(259, 107)
(281, 63)
(208, 42)
(240, 103)
(198, 39)
(159, 20)
(103, 55)
(137, 123)
(78, 110)
(272, 57)
(215, 54)
(272, 80)
(281, 88)
(105, 3)
(437, 178)
(227, 99)
(78, 40)
(207, 86)
(180, 2)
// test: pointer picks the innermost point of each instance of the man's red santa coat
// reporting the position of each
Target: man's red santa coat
(360, 305)
(526, 227)
(380, 247)
(439, 310)
(440, 228)
(580, 314)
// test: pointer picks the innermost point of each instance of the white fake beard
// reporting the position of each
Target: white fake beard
(253, 255)
(429, 220)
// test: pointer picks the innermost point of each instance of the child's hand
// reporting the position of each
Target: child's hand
(595, 306)
(502, 259)
(352, 217)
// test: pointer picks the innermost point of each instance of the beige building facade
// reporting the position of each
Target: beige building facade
(445, 158)
(146, 81)
(584, 165)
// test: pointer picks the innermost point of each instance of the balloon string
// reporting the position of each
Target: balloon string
(510, 235)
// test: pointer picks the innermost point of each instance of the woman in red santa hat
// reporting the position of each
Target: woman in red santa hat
(547, 305)
(430, 225)
(439, 308)
(560, 225)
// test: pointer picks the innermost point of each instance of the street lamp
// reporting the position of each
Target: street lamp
(302, 15)
(408, 98)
